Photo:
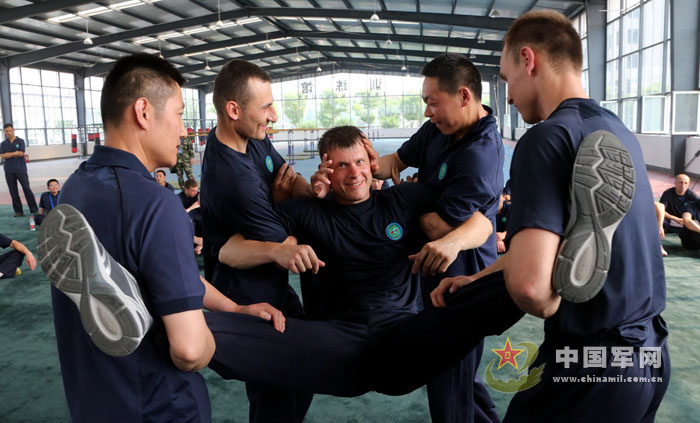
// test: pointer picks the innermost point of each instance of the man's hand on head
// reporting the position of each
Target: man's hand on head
(283, 185)
(320, 182)
(371, 153)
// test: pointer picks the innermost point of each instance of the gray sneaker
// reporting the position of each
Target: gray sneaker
(107, 295)
(602, 188)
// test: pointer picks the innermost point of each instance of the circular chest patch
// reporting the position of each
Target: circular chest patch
(394, 231)
(268, 163)
(442, 172)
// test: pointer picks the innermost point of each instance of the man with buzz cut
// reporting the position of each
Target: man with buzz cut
(459, 153)
(583, 248)
(112, 223)
(12, 151)
(242, 174)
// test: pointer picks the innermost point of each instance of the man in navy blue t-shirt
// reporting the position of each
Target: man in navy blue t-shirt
(12, 260)
(242, 175)
(12, 151)
(674, 201)
(48, 200)
(459, 153)
(620, 327)
(118, 372)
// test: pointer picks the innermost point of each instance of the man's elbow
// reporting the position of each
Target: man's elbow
(190, 358)
(533, 299)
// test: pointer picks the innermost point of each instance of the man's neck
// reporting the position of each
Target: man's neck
(556, 87)
(473, 115)
(227, 135)
(129, 142)
(12, 139)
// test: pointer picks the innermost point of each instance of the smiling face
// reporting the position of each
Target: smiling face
(521, 92)
(351, 177)
(444, 109)
(258, 111)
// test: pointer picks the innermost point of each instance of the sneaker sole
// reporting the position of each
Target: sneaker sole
(602, 189)
(75, 263)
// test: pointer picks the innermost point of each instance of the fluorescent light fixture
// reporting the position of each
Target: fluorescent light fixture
(95, 11)
(145, 40)
(127, 4)
(170, 35)
(405, 22)
(64, 18)
(345, 20)
(316, 19)
(379, 21)
(196, 30)
(247, 21)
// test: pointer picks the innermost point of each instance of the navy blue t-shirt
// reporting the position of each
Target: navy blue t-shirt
(635, 290)
(236, 198)
(674, 203)
(468, 174)
(146, 230)
(5, 241)
(48, 201)
(365, 247)
(692, 207)
(13, 164)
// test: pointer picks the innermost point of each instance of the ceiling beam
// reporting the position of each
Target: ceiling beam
(24, 59)
(38, 8)
(372, 64)
(479, 59)
(441, 41)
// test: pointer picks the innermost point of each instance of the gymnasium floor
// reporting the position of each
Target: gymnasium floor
(31, 388)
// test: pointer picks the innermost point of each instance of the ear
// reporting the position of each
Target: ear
(465, 95)
(233, 110)
(142, 112)
(527, 59)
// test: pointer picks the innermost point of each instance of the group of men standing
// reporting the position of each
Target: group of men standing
(337, 234)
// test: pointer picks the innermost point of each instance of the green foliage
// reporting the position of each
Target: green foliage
(294, 108)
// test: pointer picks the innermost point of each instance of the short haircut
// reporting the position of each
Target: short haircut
(8, 125)
(549, 32)
(342, 137)
(682, 175)
(231, 84)
(160, 171)
(191, 183)
(51, 180)
(135, 76)
(453, 71)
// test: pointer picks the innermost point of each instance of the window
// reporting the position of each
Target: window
(685, 112)
(638, 46)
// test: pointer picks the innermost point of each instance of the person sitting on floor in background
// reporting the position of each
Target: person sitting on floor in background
(160, 178)
(190, 201)
(674, 200)
(12, 260)
(48, 200)
(690, 233)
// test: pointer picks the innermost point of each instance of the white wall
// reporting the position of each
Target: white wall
(656, 150)
(58, 151)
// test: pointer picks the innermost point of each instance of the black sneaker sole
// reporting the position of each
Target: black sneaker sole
(602, 189)
(76, 263)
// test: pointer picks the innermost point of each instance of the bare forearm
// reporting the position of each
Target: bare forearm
(690, 224)
(434, 227)
(214, 300)
(669, 216)
(302, 188)
(19, 247)
(390, 166)
(241, 253)
(473, 233)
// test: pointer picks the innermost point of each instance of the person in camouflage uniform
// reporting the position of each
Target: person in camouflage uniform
(185, 159)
